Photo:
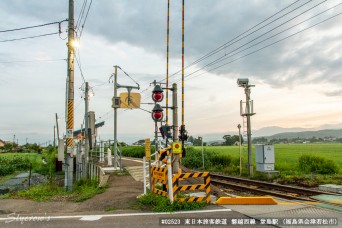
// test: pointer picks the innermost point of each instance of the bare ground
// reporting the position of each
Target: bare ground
(121, 194)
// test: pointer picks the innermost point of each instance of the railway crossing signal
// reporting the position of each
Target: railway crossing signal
(157, 94)
(157, 113)
(165, 131)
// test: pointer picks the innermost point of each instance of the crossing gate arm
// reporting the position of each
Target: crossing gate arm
(205, 186)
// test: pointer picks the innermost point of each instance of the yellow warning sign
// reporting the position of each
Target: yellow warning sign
(159, 175)
(131, 101)
(176, 147)
(148, 149)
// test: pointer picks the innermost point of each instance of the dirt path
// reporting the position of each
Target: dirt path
(120, 195)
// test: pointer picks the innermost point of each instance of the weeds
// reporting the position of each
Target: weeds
(159, 203)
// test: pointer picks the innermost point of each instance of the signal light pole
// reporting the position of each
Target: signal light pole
(248, 113)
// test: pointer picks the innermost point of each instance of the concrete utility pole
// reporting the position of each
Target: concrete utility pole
(239, 127)
(57, 126)
(175, 112)
(70, 102)
(54, 137)
(249, 131)
(176, 157)
(115, 116)
(86, 126)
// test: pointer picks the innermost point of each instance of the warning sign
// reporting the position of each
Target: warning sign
(148, 149)
(160, 175)
(130, 100)
(176, 147)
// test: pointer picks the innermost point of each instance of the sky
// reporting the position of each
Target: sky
(290, 51)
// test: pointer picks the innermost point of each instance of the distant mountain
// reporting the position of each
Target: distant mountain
(308, 134)
(268, 131)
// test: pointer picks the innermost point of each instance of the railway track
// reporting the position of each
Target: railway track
(266, 188)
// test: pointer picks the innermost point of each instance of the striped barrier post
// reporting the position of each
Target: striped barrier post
(205, 186)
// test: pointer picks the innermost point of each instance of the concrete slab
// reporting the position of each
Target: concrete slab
(260, 200)
(202, 194)
(110, 169)
(136, 172)
(331, 188)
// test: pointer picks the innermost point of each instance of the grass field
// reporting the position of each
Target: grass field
(286, 155)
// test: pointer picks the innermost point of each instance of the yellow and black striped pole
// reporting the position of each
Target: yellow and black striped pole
(167, 61)
(183, 134)
(182, 62)
(70, 101)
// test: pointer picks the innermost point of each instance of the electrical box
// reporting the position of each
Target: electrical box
(116, 102)
(264, 157)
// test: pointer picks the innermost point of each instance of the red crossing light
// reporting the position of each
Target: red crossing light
(157, 113)
(157, 94)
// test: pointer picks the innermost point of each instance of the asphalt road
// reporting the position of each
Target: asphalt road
(213, 218)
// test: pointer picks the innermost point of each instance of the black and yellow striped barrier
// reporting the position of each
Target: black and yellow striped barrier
(205, 186)
(159, 175)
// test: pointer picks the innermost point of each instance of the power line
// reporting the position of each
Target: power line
(85, 19)
(224, 45)
(35, 60)
(278, 41)
(79, 66)
(31, 37)
(35, 26)
(225, 56)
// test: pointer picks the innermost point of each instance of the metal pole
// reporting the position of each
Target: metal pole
(249, 132)
(86, 126)
(167, 63)
(57, 126)
(175, 112)
(144, 170)
(202, 152)
(70, 101)
(239, 126)
(169, 178)
(54, 137)
(176, 157)
(115, 118)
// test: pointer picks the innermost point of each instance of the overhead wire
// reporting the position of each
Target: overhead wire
(34, 26)
(224, 45)
(85, 19)
(226, 56)
(30, 37)
(266, 46)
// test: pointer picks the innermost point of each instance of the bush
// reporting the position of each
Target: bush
(316, 164)
(162, 204)
(10, 165)
(135, 151)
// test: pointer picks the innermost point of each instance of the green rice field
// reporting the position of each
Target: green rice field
(286, 155)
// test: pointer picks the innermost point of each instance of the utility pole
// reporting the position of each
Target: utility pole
(239, 127)
(54, 136)
(86, 123)
(115, 116)
(57, 126)
(248, 112)
(70, 102)
(249, 131)
(175, 112)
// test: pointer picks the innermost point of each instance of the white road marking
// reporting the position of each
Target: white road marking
(132, 160)
(98, 217)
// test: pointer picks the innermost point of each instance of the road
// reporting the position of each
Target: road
(213, 217)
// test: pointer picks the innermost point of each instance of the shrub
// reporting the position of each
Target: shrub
(316, 164)
(10, 165)
(162, 204)
(135, 151)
